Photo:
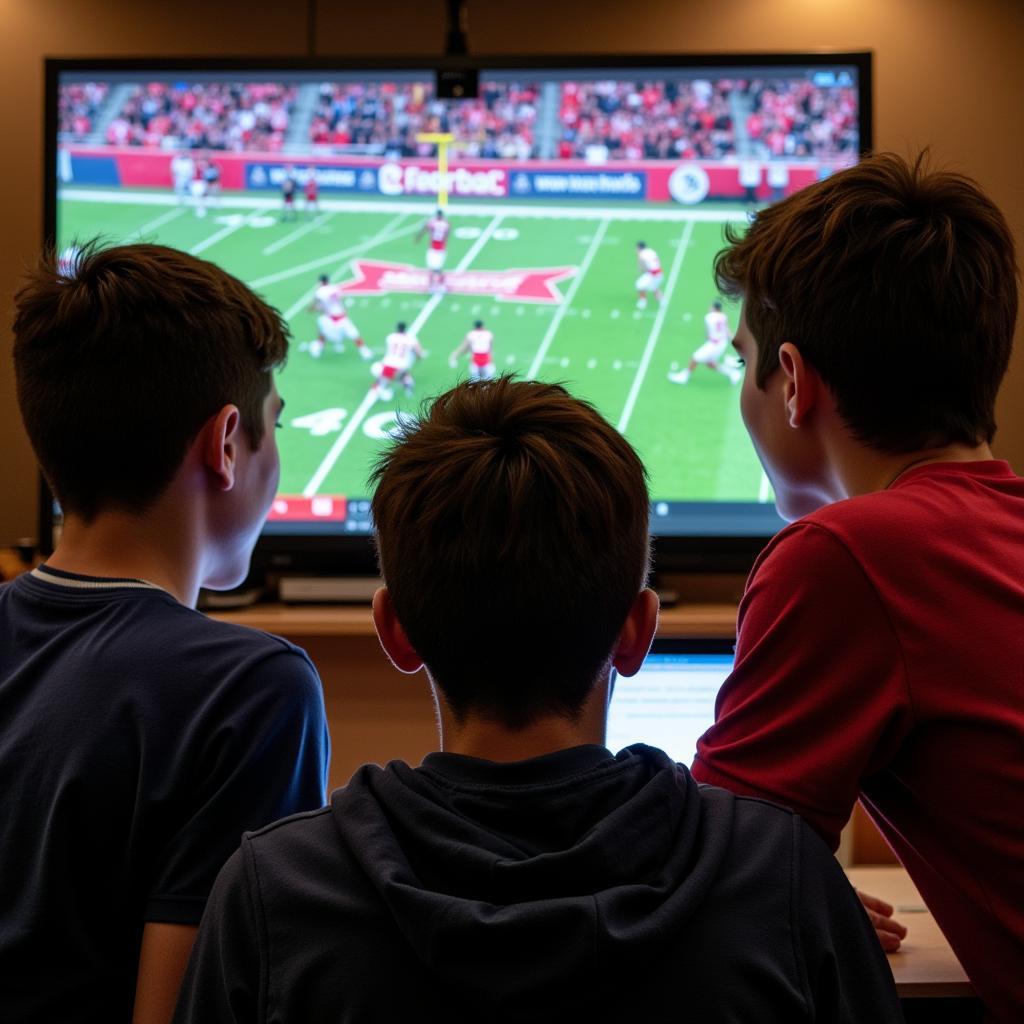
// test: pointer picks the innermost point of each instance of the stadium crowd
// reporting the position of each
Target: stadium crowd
(646, 120)
(797, 118)
(210, 115)
(600, 120)
(387, 117)
(597, 120)
(77, 107)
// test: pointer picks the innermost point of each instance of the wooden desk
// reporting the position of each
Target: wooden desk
(925, 967)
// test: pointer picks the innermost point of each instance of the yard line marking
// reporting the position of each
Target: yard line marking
(307, 296)
(218, 236)
(424, 208)
(764, 494)
(659, 320)
(549, 334)
(371, 396)
(298, 233)
(157, 222)
(323, 261)
(340, 444)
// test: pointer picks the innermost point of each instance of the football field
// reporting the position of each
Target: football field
(554, 283)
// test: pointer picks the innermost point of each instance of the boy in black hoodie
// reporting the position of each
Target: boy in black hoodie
(526, 873)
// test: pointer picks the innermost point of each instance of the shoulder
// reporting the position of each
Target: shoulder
(293, 831)
(292, 857)
(847, 531)
(769, 826)
(202, 656)
(771, 841)
(244, 641)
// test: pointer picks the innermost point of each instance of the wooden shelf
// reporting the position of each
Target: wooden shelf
(682, 620)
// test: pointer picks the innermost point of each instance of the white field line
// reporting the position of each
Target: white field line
(371, 396)
(218, 236)
(566, 210)
(595, 242)
(765, 493)
(157, 222)
(298, 233)
(323, 261)
(383, 235)
(340, 444)
(659, 320)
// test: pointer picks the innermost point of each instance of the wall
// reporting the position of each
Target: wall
(948, 74)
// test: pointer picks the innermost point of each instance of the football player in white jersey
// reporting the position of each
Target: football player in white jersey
(401, 350)
(437, 228)
(717, 335)
(333, 323)
(183, 169)
(650, 274)
(479, 342)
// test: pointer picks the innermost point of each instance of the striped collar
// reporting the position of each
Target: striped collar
(76, 582)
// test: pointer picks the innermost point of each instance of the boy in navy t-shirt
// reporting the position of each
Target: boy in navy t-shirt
(138, 738)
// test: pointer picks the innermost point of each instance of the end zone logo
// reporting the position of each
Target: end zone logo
(538, 284)
(396, 180)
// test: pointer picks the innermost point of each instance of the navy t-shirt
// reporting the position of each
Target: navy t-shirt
(138, 740)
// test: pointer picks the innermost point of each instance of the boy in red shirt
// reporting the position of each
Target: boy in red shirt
(881, 634)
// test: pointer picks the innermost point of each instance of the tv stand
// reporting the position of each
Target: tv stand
(327, 589)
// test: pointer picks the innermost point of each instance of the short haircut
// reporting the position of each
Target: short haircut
(512, 531)
(898, 284)
(119, 364)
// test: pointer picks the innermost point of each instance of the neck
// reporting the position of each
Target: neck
(476, 736)
(864, 471)
(157, 547)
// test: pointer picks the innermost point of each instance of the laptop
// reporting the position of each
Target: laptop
(670, 702)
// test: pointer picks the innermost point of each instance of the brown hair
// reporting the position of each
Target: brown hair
(120, 358)
(512, 532)
(899, 286)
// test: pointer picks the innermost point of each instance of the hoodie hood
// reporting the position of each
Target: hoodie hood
(519, 883)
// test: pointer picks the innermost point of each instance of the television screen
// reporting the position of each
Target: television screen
(560, 224)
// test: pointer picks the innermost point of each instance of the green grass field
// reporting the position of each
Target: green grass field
(593, 338)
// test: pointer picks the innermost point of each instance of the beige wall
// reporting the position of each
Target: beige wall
(949, 73)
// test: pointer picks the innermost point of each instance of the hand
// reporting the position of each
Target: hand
(889, 931)
(452, 362)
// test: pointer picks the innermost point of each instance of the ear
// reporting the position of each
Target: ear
(219, 441)
(801, 384)
(637, 633)
(391, 635)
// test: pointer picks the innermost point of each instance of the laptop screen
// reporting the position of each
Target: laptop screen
(670, 702)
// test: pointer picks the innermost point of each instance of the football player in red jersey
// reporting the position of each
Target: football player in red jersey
(437, 227)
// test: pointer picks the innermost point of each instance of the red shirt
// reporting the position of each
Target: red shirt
(881, 654)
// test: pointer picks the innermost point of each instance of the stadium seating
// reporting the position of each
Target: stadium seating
(215, 115)
(78, 105)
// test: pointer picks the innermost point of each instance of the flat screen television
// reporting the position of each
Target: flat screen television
(550, 173)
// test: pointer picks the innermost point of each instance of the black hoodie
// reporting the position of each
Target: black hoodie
(572, 886)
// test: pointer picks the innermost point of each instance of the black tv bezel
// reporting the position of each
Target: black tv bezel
(342, 554)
